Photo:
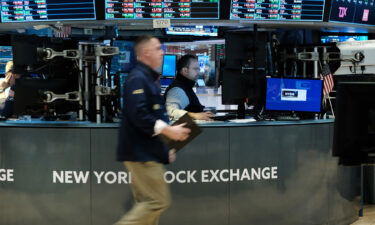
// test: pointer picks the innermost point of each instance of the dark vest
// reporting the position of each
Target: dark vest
(187, 85)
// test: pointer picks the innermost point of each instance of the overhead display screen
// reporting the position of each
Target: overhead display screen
(192, 30)
(298, 10)
(155, 9)
(46, 10)
(353, 11)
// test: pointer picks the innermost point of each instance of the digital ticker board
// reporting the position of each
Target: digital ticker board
(354, 11)
(156, 9)
(46, 10)
(297, 10)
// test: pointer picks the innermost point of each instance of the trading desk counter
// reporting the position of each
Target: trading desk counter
(232, 174)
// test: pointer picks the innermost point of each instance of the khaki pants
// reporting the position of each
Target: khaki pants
(151, 193)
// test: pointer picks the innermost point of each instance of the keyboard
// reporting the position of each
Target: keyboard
(224, 117)
(288, 118)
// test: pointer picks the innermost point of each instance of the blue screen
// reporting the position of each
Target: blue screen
(192, 30)
(124, 61)
(166, 81)
(331, 39)
(299, 95)
(5, 56)
(122, 83)
(169, 65)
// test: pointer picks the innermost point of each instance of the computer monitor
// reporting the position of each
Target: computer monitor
(125, 60)
(169, 66)
(203, 60)
(294, 95)
(165, 82)
(354, 127)
(5, 56)
(122, 77)
(200, 83)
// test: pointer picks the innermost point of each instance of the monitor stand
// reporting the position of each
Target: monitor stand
(292, 117)
(241, 110)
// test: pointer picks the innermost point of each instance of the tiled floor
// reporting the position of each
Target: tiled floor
(368, 216)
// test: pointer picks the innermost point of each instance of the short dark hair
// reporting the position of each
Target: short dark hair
(184, 61)
(140, 41)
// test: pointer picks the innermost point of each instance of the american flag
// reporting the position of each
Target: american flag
(327, 80)
(63, 31)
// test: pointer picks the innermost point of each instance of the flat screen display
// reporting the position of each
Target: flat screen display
(169, 65)
(299, 95)
(125, 60)
(5, 56)
(333, 38)
(47, 10)
(361, 12)
(156, 9)
(294, 10)
(209, 31)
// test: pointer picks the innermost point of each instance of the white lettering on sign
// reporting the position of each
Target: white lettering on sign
(6, 175)
(70, 177)
(82, 177)
(181, 177)
(225, 175)
(112, 177)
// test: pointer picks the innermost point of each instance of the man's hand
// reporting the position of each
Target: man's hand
(201, 115)
(177, 133)
(11, 78)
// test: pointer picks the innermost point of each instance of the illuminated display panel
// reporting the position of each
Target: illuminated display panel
(354, 11)
(332, 38)
(47, 10)
(156, 9)
(6, 55)
(192, 30)
(296, 10)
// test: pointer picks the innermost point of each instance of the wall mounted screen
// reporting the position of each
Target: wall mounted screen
(357, 11)
(47, 10)
(295, 10)
(210, 31)
(334, 38)
(155, 9)
(125, 60)
(169, 65)
(5, 56)
(299, 95)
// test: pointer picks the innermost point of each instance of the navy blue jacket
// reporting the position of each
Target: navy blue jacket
(143, 105)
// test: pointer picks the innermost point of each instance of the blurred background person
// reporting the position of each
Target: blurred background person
(7, 90)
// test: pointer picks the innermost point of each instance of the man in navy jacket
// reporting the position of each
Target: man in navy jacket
(141, 150)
